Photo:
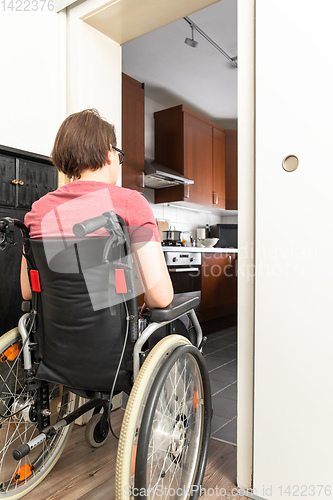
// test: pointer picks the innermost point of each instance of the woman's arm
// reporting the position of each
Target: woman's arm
(25, 284)
(154, 273)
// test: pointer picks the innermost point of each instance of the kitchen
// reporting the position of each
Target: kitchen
(168, 68)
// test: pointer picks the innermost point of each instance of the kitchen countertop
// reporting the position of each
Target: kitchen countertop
(200, 249)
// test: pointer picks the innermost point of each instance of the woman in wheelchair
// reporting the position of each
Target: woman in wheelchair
(90, 248)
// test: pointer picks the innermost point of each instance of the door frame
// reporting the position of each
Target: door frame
(246, 240)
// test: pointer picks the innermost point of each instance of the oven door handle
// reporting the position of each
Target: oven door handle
(183, 269)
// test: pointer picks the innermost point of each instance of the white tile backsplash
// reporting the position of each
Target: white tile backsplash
(183, 219)
(230, 219)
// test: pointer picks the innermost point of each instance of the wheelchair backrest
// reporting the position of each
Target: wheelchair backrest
(81, 319)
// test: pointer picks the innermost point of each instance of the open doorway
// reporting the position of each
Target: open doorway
(199, 77)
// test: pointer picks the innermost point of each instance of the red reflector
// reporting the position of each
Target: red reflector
(120, 281)
(34, 280)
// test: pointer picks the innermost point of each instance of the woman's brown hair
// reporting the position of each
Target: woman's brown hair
(82, 142)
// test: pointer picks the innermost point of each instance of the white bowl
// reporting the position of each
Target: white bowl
(209, 242)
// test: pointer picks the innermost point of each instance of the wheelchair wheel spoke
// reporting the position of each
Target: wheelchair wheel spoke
(19, 425)
(170, 464)
(166, 427)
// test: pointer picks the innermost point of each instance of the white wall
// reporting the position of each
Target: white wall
(94, 68)
(30, 79)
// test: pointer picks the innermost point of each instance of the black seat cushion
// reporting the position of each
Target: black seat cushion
(80, 337)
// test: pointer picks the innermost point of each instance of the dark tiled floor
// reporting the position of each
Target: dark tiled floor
(220, 353)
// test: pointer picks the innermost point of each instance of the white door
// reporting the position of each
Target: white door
(293, 397)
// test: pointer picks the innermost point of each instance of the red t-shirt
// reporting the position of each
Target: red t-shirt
(54, 215)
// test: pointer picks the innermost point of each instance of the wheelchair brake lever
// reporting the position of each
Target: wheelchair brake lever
(114, 226)
(202, 343)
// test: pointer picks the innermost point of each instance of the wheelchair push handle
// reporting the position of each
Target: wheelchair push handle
(81, 229)
(7, 236)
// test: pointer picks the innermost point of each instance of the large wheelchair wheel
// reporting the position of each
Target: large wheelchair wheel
(18, 422)
(164, 439)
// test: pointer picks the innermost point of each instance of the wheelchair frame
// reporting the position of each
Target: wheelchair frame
(172, 344)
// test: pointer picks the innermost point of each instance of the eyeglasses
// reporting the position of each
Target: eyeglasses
(121, 154)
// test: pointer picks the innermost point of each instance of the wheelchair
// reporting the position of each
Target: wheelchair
(95, 353)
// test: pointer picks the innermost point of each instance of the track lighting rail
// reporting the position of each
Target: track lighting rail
(232, 60)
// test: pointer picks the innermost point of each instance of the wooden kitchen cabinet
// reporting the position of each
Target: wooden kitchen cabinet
(194, 147)
(231, 170)
(219, 181)
(218, 285)
(198, 159)
(133, 144)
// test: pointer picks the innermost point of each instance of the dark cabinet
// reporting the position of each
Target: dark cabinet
(196, 148)
(24, 178)
(133, 96)
(218, 285)
(8, 188)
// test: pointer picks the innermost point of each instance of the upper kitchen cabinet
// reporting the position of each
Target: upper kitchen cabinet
(231, 170)
(219, 181)
(196, 148)
(24, 178)
(198, 159)
(133, 144)
(183, 142)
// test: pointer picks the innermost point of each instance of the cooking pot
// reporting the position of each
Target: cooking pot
(172, 235)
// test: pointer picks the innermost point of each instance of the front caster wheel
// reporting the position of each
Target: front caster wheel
(97, 431)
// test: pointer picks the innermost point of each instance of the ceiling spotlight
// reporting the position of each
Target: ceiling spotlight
(190, 41)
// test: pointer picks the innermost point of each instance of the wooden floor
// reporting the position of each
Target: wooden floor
(85, 473)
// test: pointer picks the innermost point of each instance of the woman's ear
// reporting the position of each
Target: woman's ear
(109, 157)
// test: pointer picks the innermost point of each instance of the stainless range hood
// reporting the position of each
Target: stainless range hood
(158, 176)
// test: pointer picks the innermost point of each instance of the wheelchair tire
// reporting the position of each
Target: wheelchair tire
(161, 377)
(18, 423)
(93, 434)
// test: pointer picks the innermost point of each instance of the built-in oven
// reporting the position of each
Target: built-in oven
(185, 270)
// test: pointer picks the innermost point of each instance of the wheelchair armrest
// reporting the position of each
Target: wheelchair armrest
(178, 307)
